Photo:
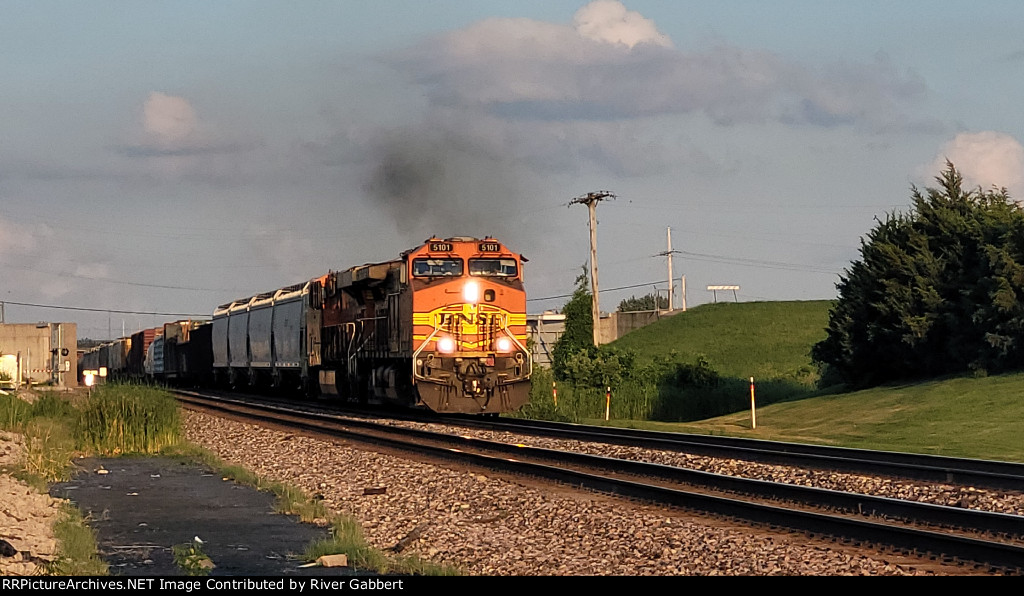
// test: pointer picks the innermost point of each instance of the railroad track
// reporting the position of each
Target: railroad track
(956, 534)
(928, 468)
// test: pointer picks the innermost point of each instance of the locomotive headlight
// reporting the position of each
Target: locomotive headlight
(446, 345)
(503, 344)
(471, 292)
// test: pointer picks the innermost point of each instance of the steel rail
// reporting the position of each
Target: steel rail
(958, 547)
(929, 468)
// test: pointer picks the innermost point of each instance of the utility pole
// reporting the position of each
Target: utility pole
(591, 199)
(668, 253)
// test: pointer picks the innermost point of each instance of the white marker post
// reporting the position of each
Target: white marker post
(753, 410)
(607, 403)
(90, 379)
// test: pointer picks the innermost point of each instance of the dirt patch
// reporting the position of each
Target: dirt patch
(26, 517)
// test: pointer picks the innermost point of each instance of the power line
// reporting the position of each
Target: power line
(106, 310)
(112, 281)
(714, 259)
(650, 283)
(756, 263)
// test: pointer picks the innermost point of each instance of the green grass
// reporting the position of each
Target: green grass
(76, 546)
(49, 446)
(771, 341)
(112, 420)
(14, 413)
(347, 538)
(721, 346)
(962, 417)
(764, 340)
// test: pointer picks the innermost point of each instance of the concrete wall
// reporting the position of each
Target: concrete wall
(33, 344)
(545, 329)
(617, 324)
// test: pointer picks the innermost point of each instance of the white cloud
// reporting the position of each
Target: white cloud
(20, 239)
(169, 118)
(609, 21)
(175, 142)
(595, 91)
(614, 64)
(985, 159)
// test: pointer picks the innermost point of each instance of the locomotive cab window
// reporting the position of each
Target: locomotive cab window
(493, 267)
(437, 267)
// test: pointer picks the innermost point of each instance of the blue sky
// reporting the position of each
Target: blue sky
(172, 156)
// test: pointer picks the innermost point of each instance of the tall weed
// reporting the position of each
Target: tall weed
(129, 419)
(14, 412)
(49, 445)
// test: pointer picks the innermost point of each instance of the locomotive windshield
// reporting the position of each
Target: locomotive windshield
(493, 267)
(437, 267)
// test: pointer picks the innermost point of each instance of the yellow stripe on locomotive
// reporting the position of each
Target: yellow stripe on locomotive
(469, 325)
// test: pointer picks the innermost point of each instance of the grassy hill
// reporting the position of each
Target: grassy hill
(764, 340)
(964, 417)
(771, 341)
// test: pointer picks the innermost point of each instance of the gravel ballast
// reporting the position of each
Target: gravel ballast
(968, 497)
(493, 526)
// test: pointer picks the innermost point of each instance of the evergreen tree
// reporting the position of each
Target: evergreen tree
(579, 327)
(936, 291)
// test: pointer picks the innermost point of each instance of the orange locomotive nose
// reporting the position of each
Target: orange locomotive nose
(469, 326)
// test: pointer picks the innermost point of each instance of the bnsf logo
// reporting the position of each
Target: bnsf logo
(451, 319)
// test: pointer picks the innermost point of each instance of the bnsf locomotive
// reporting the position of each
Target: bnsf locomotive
(443, 326)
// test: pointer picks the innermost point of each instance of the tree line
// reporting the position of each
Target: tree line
(936, 291)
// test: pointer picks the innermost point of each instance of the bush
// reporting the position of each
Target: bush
(700, 374)
(542, 404)
(599, 367)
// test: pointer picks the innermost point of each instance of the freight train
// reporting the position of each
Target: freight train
(442, 327)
